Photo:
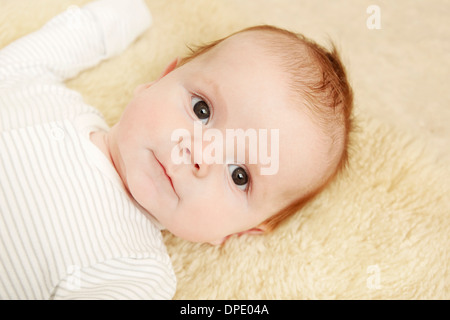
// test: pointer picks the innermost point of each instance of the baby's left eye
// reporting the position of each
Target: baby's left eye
(201, 109)
(239, 176)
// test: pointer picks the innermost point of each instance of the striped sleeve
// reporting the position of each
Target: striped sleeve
(74, 40)
(119, 279)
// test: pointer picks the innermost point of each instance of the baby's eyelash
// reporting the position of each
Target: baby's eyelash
(199, 98)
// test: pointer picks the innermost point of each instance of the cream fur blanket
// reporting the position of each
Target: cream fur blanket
(382, 230)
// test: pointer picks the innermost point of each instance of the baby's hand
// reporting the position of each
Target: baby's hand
(122, 21)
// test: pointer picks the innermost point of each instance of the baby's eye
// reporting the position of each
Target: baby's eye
(239, 176)
(201, 109)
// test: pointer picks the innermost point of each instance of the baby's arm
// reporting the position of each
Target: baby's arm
(125, 278)
(74, 40)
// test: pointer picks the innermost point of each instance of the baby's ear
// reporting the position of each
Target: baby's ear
(258, 230)
(169, 68)
(172, 65)
(219, 241)
(141, 87)
(255, 231)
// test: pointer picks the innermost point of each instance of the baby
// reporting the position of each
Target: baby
(82, 205)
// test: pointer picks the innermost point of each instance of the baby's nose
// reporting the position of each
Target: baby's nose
(190, 152)
(199, 167)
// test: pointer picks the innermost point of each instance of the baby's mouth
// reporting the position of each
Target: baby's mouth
(165, 172)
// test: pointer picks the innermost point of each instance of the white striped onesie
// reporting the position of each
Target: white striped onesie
(68, 228)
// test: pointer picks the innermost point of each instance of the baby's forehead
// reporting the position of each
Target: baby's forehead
(253, 43)
(253, 50)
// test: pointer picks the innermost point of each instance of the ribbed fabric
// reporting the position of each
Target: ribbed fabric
(68, 229)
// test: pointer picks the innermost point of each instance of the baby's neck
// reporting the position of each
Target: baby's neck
(100, 139)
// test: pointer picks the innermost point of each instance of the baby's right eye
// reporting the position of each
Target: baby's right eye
(201, 109)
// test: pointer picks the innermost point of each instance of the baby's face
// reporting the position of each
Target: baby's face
(205, 190)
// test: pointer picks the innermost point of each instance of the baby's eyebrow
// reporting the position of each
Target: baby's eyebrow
(254, 176)
(260, 185)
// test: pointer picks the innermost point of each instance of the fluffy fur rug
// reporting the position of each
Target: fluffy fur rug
(379, 232)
